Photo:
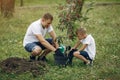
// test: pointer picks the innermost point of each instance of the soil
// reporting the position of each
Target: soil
(19, 65)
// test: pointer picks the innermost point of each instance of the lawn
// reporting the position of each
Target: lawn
(103, 24)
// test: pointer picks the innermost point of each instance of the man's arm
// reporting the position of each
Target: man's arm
(44, 42)
(53, 35)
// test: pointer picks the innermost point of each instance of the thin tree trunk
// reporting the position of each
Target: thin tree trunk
(21, 3)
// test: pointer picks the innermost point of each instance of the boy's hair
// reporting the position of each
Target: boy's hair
(48, 16)
(81, 30)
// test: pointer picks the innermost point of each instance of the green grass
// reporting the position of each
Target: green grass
(53, 2)
(39, 2)
(104, 25)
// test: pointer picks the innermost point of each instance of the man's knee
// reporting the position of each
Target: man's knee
(36, 51)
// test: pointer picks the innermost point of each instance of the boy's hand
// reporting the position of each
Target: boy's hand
(72, 49)
(68, 47)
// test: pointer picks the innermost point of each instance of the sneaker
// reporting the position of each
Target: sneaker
(42, 58)
(32, 58)
(89, 63)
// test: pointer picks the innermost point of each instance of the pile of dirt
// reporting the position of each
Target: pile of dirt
(19, 65)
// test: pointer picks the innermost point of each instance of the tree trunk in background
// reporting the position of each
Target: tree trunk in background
(7, 7)
(21, 3)
(0, 4)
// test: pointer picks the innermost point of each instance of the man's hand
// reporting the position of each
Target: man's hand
(55, 44)
(58, 53)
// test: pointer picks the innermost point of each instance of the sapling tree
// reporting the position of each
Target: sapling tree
(69, 14)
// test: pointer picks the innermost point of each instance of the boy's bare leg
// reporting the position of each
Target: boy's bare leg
(77, 54)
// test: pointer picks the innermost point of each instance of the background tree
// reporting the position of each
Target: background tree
(21, 3)
(70, 13)
(7, 7)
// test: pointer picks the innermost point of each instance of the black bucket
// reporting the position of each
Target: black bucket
(60, 60)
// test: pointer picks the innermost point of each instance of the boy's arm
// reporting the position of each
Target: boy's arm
(76, 45)
(83, 47)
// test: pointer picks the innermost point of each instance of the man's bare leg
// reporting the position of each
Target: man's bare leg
(44, 53)
(37, 50)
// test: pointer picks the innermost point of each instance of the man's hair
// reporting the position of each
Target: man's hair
(48, 16)
(81, 30)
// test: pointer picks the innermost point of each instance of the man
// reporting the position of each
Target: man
(34, 41)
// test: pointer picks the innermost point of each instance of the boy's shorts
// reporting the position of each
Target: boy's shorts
(30, 46)
(85, 54)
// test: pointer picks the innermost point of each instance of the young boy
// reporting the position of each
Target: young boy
(88, 49)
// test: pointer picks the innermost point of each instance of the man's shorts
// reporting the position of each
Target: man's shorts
(30, 46)
(85, 54)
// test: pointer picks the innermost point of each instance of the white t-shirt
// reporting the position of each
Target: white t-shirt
(91, 48)
(35, 28)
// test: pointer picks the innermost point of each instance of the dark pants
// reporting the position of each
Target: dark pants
(30, 46)
(83, 53)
